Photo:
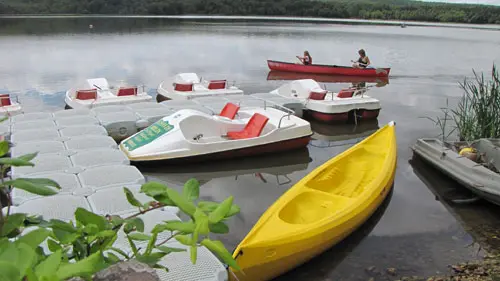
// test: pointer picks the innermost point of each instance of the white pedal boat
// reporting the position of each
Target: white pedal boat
(98, 92)
(188, 86)
(328, 106)
(192, 135)
(8, 106)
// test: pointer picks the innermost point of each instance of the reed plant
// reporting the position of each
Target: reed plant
(478, 112)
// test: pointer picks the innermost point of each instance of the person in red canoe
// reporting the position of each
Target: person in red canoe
(363, 60)
(306, 59)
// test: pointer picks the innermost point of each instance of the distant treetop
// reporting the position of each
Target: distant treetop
(404, 10)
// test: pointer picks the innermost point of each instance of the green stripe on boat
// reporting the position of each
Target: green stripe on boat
(149, 134)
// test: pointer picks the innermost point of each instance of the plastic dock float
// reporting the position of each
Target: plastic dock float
(76, 150)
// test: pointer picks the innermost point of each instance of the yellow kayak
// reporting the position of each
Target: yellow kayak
(320, 210)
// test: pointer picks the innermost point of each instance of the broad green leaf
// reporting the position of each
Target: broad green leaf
(235, 209)
(80, 247)
(195, 235)
(151, 259)
(34, 238)
(91, 229)
(131, 198)
(184, 239)
(153, 189)
(159, 228)
(9, 252)
(87, 266)
(59, 224)
(159, 266)
(132, 246)
(31, 186)
(106, 234)
(30, 275)
(4, 148)
(16, 162)
(218, 248)
(119, 251)
(163, 198)
(28, 157)
(108, 242)
(207, 206)
(25, 259)
(151, 243)
(221, 211)
(193, 253)
(14, 221)
(40, 252)
(139, 236)
(49, 265)
(116, 220)
(219, 227)
(65, 237)
(187, 227)
(201, 221)
(112, 258)
(5, 118)
(134, 223)
(191, 190)
(85, 218)
(31, 220)
(9, 272)
(43, 182)
(181, 202)
(53, 245)
(169, 250)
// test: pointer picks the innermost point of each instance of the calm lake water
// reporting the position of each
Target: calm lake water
(413, 232)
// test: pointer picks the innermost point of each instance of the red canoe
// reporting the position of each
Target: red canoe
(327, 69)
(282, 75)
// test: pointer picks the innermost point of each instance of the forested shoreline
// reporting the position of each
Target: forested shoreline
(403, 10)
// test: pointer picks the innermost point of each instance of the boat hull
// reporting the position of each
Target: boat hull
(363, 114)
(325, 78)
(327, 69)
(478, 179)
(279, 146)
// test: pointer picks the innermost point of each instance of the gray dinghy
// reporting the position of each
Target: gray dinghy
(481, 178)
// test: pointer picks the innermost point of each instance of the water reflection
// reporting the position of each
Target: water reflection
(325, 134)
(479, 219)
(319, 267)
(266, 168)
(355, 80)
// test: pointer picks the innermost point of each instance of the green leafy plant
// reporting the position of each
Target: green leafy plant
(478, 112)
(86, 245)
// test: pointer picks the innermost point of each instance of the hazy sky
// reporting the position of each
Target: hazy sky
(491, 2)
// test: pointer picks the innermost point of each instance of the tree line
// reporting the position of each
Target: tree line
(403, 10)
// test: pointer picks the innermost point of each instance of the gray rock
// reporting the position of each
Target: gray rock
(131, 270)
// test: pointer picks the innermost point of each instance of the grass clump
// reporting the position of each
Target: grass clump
(478, 113)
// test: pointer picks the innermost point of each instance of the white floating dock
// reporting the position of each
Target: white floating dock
(77, 149)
